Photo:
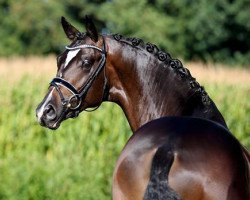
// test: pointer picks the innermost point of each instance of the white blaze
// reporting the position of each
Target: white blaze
(70, 56)
(41, 110)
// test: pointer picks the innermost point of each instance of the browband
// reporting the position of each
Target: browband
(85, 46)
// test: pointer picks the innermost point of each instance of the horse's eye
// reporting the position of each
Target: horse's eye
(86, 64)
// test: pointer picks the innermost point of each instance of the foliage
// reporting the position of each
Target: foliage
(77, 160)
(30, 27)
(203, 30)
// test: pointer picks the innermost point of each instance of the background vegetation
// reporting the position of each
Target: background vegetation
(194, 30)
(77, 160)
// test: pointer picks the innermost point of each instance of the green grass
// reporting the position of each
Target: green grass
(77, 160)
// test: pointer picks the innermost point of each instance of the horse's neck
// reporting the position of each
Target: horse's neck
(144, 88)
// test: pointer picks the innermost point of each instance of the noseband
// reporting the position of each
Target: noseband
(74, 102)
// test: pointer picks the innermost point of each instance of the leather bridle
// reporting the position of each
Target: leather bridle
(74, 102)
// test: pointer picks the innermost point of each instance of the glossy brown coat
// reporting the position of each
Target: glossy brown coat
(181, 146)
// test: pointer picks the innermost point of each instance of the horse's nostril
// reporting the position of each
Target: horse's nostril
(50, 112)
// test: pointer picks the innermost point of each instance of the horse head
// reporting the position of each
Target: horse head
(80, 80)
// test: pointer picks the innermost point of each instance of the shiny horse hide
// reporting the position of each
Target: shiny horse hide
(181, 147)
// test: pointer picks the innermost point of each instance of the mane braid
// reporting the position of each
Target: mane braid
(175, 64)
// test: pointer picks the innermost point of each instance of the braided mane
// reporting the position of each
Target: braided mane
(164, 57)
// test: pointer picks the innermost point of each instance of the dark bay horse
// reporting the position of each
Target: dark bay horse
(181, 147)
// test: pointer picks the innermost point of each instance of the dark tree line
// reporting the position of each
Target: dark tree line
(191, 29)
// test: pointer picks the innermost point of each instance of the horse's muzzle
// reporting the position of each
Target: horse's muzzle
(46, 116)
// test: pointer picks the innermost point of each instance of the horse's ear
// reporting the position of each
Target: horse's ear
(69, 30)
(91, 29)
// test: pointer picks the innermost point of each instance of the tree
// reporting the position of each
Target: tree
(30, 27)
(194, 30)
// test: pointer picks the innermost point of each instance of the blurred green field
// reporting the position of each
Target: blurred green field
(77, 160)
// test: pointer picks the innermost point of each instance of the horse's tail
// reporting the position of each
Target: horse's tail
(158, 188)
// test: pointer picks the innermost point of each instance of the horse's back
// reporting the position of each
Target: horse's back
(183, 158)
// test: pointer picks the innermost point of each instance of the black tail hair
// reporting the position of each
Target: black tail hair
(158, 188)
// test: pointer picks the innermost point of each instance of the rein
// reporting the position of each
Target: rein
(69, 104)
